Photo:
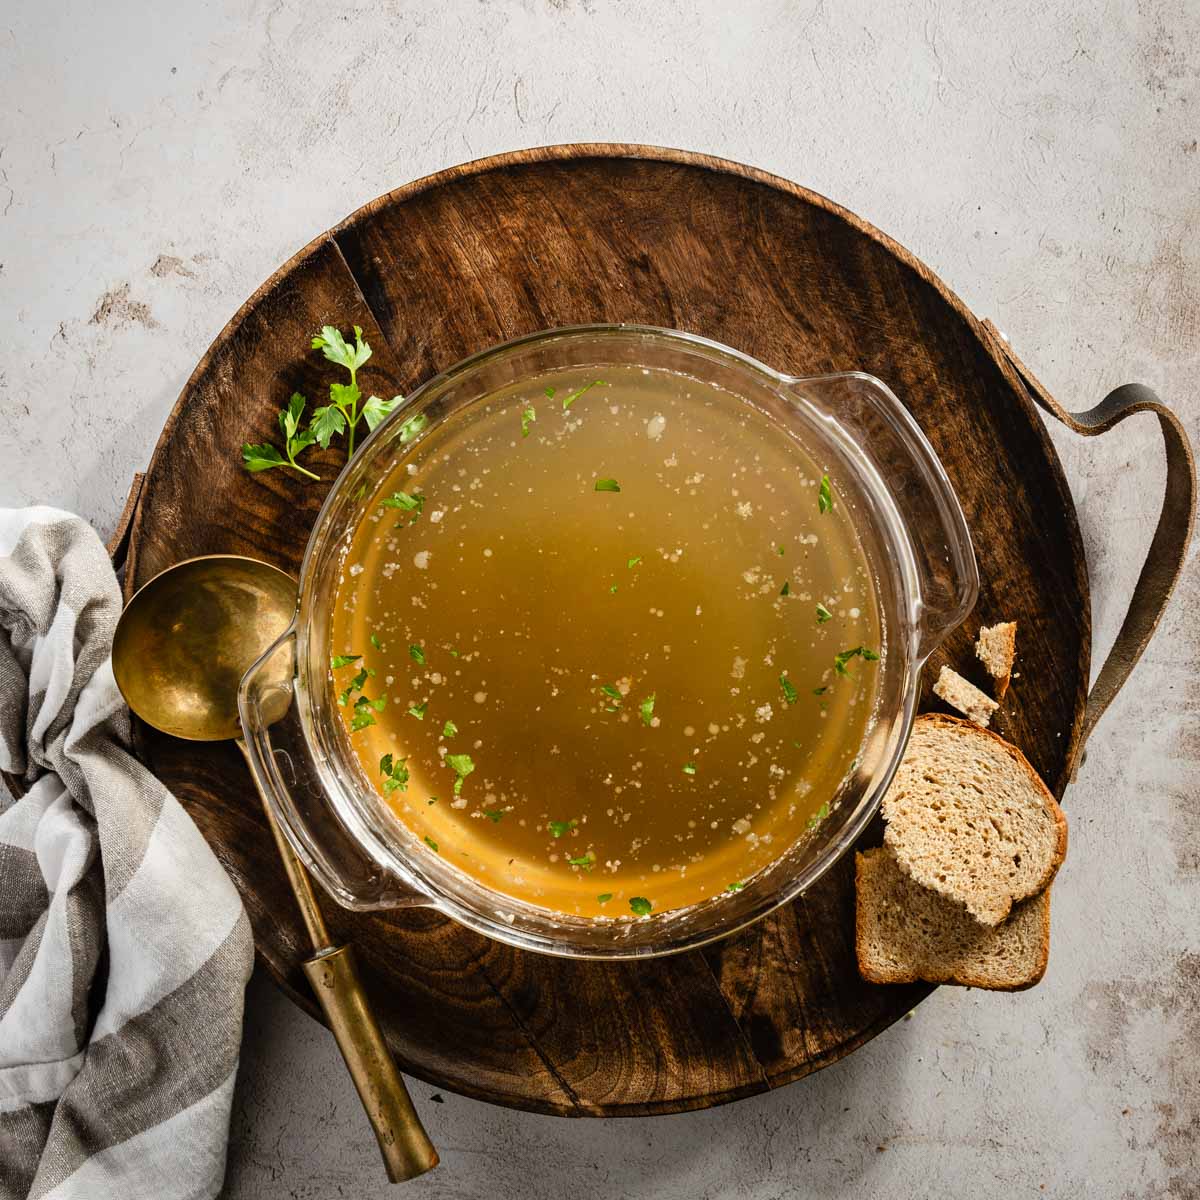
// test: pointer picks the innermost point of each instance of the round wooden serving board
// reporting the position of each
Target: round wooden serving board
(562, 236)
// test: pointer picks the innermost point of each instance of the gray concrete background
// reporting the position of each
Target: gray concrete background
(158, 161)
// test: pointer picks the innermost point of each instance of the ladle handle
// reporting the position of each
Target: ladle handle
(405, 1146)
(332, 973)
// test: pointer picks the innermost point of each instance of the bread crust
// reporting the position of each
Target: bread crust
(944, 721)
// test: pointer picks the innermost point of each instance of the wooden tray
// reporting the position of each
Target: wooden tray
(484, 252)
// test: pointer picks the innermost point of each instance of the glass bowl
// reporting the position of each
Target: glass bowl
(912, 533)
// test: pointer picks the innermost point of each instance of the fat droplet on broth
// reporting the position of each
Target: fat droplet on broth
(535, 758)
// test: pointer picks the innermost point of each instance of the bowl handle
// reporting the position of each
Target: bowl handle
(287, 779)
(908, 468)
(1168, 548)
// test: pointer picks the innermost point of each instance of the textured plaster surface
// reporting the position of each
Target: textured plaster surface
(158, 161)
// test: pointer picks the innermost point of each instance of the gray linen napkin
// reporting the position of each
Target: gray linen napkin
(124, 949)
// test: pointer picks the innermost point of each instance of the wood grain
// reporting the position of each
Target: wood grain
(568, 235)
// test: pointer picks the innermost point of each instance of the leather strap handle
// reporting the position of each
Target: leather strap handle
(1168, 548)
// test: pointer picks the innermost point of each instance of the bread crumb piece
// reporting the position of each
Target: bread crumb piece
(959, 693)
(996, 648)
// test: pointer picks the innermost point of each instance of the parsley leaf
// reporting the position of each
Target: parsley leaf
(527, 418)
(689, 768)
(735, 887)
(786, 589)
(819, 815)
(495, 815)
(431, 844)
(609, 690)
(375, 641)
(607, 485)
(558, 828)
(337, 350)
(780, 551)
(586, 861)
(587, 387)
(825, 496)
(604, 897)
(820, 691)
(646, 708)
(549, 391)
(823, 614)
(449, 729)
(327, 422)
(789, 692)
(633, 562)
(362, 718)
(343, 660)
(416, 654)
(640, 905)
(376, 409)
(418, 710)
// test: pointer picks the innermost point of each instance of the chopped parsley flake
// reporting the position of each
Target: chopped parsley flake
(449, 729)
(418, 710)
(786, 589)
(586, 861)
(633, 562)
(819, 815)
(494, 814)
(646, 708)
(417, 655)
(735, 887)
(431, 844)
(825, 496)
(375, 641)
(843, 657)
(587, 387)
(640, 906)
(821, 690)
(789, 692)
(823, 614)
(527, 418)
(558, 828)
(549, 393)
(613, 590)
(689, 768)
(343, 660)
(609, 690)
(604, 897)
(404, 501)
(462, 765)
(395, 774)
(607, 485)
(780, 551)
(355, 685)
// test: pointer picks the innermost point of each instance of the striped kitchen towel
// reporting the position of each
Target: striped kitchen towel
(124, 949)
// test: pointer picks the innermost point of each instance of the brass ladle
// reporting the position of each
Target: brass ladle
(180, 650)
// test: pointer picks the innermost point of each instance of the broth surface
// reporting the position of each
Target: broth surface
(637, 693)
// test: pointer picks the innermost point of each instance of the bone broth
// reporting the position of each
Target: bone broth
(606, 642)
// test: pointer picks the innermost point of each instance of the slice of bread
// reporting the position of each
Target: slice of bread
(996, 648)
(965, 696)
(905, 933)
(967, 816)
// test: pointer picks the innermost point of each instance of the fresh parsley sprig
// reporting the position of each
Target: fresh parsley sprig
(342, 413)
(265, 456)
